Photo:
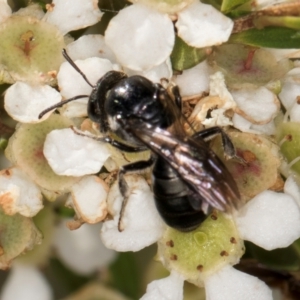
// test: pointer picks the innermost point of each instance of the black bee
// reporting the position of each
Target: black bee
(188, 178)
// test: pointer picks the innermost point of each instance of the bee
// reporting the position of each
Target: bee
(188, 179)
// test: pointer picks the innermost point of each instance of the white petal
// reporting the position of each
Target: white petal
(156, 74)
(246, 126)
(259, 105)
(194, 81)
(231, 284)
(218, 118)
(291, 188)
(270, 220)
(289, 93)
(81, 249)
(26, 282)
(73, 155)
(76, 109)
(169, 288)
(294, 113)
(5, 11)
(73, 15)
(140, 37)
(241, 123)
(91, 45)
(33, 10)
(18, 194)
(217, 86)
(24, 102)
(269, 128)
(218, 97)
(89, 199)
(71, 83)
(201, 25)
(141, 223)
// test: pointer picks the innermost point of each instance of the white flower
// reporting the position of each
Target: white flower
(67, 152)
(151, 32)
(81, 250)
(88, 199)
(270, 220)
(26, 99)
(289, 95)
(26, 282)
(141, 222)
(255, 108)
(18, 194)
(194, 81)
(169, 288)
(218, 101)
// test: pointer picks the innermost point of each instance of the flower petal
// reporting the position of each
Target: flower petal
(5, 11)
(270, 220)
(169, 288)
(89, 199)
(194, 81)
(218, 101)
(24, 102)
(289, 93)
(231, 284)
(143, 41)
(72, 84)
(258, 105)
(73, 155)
(81, 249)
(142, 226)
(291, 188)
(201, 25)
(155, 74)
(26, 282)
(18, 194)
(246, 126)
(91, 45)
(73, 15)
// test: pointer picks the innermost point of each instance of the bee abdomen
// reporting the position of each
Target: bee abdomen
(172, 199)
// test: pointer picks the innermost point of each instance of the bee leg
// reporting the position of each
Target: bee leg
(109, 140)
(123, 186)
(177, 96)
(209, 133)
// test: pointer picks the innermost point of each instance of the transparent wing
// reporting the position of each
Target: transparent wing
(196, 164)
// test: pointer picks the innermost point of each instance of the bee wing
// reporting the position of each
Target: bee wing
(198, 166)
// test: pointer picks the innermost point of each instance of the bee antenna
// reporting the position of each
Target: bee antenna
(71, 62)
(109, 10)
(60, 104)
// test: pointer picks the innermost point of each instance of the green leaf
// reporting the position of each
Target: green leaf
(228, 5)
(215, 3)
(271, 37)
(285, 21)
(65, 212)
(284, 259)
(125, 275)
(184, 56)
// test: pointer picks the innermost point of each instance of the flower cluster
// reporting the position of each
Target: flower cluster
(251, 92)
